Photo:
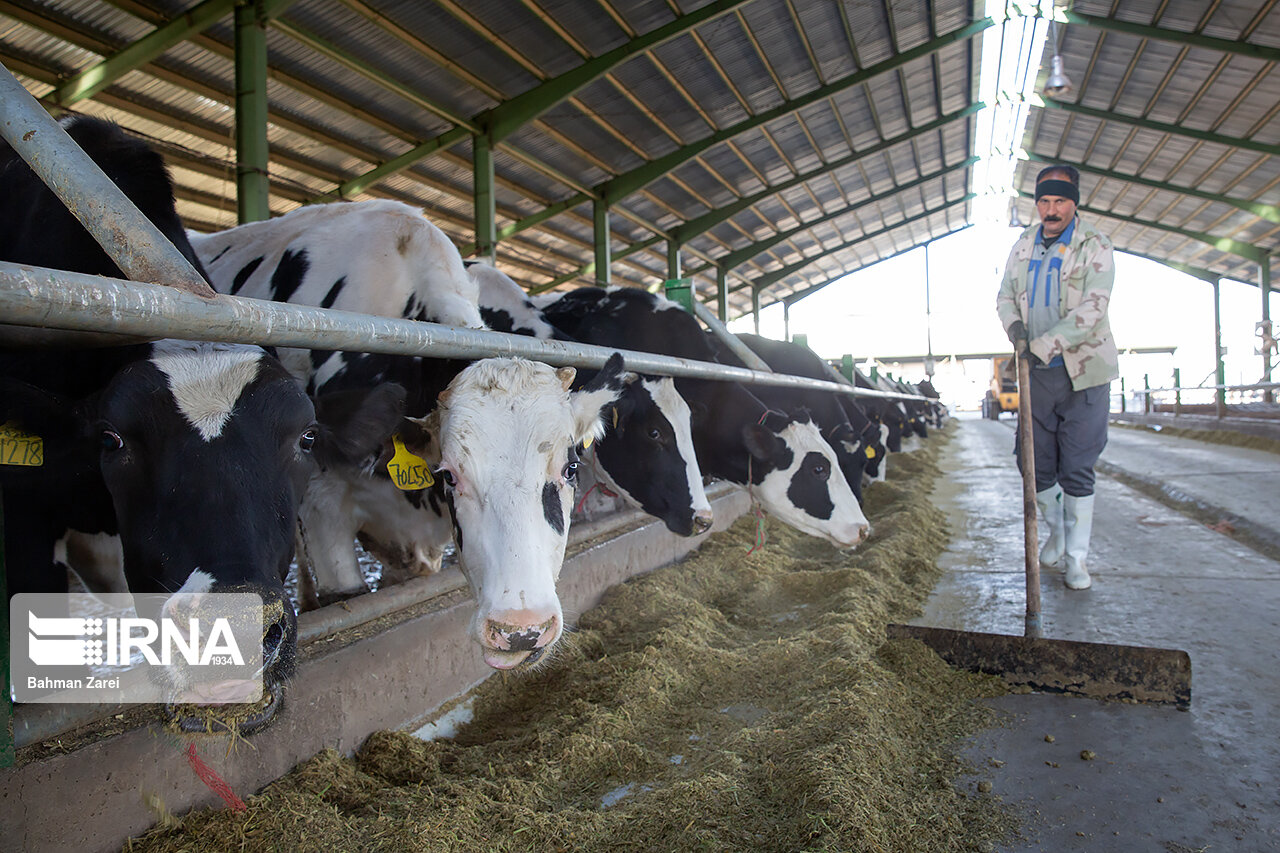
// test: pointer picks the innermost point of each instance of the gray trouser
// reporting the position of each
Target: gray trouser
(1069, 430)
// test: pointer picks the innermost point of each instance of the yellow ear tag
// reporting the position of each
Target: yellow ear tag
(20, 448)
(409, 472)
(871, 453)
(615, 417)
(586, 442)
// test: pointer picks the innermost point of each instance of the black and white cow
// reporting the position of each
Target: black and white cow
(647, 454)
(851, 434)
(781, 457)
(501, 523)
(194, 454)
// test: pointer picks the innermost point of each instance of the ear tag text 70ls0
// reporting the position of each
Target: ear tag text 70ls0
(408, 471)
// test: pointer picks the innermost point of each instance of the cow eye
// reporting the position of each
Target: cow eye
(110, 441)
(821, 470)
(307, 440)
(655, 434)
(570, 472)
(447, 476)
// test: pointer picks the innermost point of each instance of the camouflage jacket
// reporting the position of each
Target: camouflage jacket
(1083, 336)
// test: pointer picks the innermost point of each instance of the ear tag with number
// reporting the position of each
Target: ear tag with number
(20, 448)
(871, 453)
(408, 471)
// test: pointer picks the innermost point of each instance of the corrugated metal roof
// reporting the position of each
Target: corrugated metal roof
(765, 94)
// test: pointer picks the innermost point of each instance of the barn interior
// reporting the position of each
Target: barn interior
(762, 150)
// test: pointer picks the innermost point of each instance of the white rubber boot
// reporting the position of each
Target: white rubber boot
(1050, 503)
(1078, 514)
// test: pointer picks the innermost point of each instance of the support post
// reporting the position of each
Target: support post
(1146, 393)
(755, 307)
(1122, 396)
(800, 340)
(1177, 392)
(673, 259)
(846, 366)
(485, 204)
(600, 220)
(253, 186)
(722, 294)
(786, 320)
(1264, 284)
(680, 291)
(1220, 370)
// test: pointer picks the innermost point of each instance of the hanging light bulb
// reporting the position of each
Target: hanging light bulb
(1058, 84)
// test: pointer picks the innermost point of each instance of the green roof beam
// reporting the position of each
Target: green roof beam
(746, 253)
(588, 268)
(509, 116)
(621, 186)
(1222, 244)
(359, 184)
(1241, 48)
(1269, 212)
(687, 231)
(1196, 272)
(772, 278)
(1159, 127)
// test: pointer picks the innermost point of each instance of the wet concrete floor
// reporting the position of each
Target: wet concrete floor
(1164, 780)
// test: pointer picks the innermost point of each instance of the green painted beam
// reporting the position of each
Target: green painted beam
(359, 184)
(588, 268)
(1222, 244)
(621, 186)
(768, 279)
(253, 153)
(809, 291)
(1196, 272)
(746, 253)
(1159, 127)
(1240, 48)
(1269, 212)
(93, 80)
(688, 230)
(509, 116)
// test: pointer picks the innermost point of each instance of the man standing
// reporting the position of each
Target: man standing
(1053, 301)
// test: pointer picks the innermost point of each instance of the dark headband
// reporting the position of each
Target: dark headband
(1066, 189)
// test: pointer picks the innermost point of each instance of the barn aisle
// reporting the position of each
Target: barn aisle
(1160, 779)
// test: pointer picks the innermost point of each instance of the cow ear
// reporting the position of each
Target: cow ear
(356, 424)
(617, 414)
(42, 413)
(566, 375)
(761, 442)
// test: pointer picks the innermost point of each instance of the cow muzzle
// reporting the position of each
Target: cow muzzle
(702, 521)
(515, 637)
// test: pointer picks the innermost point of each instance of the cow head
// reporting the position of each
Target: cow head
(507, 431)
(647, 455)
(795, 476)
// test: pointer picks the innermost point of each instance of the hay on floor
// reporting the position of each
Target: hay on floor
(728, 702)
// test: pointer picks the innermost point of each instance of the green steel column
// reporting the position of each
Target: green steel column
(1220, 370)
(846, 366)
(1264, 284)
(673, 259)
(253, 186)
(1146, 396)
(1177, 393)
(722, 294)
(1122, 392)
(800, 340)
(600, 217)
(755, 307)
(486, 205)
(786, 321)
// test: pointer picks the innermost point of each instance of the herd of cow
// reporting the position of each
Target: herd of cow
(188, 466)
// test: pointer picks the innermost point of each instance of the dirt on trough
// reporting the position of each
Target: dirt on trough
(732, 701)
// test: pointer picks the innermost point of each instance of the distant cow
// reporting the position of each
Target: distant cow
(647, 453)
(194, 454)
(781, 457)
(846, 427)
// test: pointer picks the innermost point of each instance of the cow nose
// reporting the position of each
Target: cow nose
(702, 520)
(520, 631)
(864, 531)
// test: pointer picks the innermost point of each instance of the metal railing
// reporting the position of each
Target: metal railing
(1219, 400)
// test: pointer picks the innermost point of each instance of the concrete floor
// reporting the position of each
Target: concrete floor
(1207, 779)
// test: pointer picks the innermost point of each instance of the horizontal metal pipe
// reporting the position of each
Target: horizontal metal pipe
(45, 298)
(132, 241)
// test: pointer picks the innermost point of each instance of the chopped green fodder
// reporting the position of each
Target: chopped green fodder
(730, 702)
(1213, 436)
